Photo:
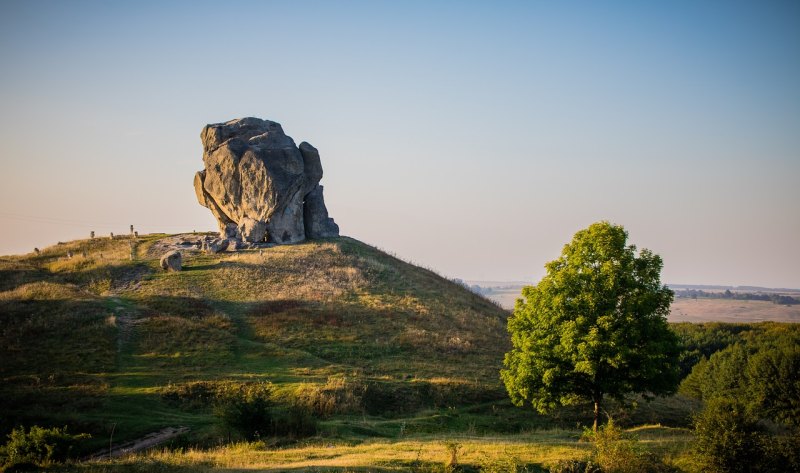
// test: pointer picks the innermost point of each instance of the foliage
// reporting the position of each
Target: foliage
(575, 466)
(700, 341)
(246, 409)
(616, 451)
(453, 448)
(773, 382)
(294, 421)
(762, 372)
(40, 446)
(781, 299)
(728, 437)
(595, 325)
(249, 410)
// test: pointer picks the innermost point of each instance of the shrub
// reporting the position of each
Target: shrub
(40, 446)
(339, 395)
(453, 449)
(728, 438)
(193, 395)
(616, 451)
(388, 398)
(575, 466)
(781, 454)
(296, 421)
(245, 409)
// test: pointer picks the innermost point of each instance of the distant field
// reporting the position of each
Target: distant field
(727, 310)
(685, 309)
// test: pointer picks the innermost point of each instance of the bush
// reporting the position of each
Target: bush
(339, 395)
(40, 446)
(575, 466)
(618, 452)
(728, 438)
(781, 454)
(245, 409)
(296, 421)
(249, 411)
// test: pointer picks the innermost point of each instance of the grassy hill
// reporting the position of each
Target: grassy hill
(102, 342)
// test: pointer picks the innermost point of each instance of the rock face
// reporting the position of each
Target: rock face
(172, 261)
(215, 246)
(261, 186)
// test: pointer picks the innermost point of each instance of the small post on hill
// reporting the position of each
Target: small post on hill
(110, 439)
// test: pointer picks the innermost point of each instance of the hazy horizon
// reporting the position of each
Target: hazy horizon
(472, 139)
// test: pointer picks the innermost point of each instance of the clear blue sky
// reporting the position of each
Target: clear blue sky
(473, 138)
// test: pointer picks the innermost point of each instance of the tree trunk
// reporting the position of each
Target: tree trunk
(596, 414)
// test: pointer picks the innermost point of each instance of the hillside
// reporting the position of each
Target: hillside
(105, 343)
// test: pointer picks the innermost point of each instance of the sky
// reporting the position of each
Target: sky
(473, 138)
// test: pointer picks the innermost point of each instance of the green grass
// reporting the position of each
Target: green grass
(533, 452)
(93, 340)
(388, 355)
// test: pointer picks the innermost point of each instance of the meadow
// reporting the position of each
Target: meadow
(363, 362)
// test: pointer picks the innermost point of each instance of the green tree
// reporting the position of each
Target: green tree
(595, 325)
(40, 446)
(728, 438)
(773, 376)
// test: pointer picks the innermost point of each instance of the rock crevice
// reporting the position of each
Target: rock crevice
(260, 186)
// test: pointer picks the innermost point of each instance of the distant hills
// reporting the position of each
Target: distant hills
(693, 303)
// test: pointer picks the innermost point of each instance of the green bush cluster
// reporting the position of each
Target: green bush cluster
(762, 372)
(39, 446)
(745, 387)
(355, 395)
(729, 439)
(616, 451)
(245, 409)
(249, 410)
(575, 466)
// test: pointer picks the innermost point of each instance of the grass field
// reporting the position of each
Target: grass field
(396, 363)
(97, 341)
(532, 452)
(733, 311)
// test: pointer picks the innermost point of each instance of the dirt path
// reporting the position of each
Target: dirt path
(148, 441)
(125, 321)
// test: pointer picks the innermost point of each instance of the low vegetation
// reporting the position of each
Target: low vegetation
(350, 360)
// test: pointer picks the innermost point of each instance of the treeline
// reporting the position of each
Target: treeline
(748, 377)
(781, 299)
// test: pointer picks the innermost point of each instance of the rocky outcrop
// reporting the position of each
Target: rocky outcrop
(315, 216)
(172, 261)
(215, 246)
(259, 185)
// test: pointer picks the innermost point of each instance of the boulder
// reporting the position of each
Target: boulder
(171, 261)
(315, 216)
(215, 246)
(257, 183)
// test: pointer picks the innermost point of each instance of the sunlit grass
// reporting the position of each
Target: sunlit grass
(525, 452)
(392, 358)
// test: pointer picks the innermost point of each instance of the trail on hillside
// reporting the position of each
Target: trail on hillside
(124, 321)
(148, 441)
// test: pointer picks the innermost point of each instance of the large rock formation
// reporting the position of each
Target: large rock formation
(260, 185)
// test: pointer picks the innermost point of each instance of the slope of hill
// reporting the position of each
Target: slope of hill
(106, 343)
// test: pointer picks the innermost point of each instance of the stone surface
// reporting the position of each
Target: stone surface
(315, 216)
(172, 261)
(215, 246)
(259, 185)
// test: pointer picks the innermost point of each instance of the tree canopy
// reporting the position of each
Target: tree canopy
(595, 325)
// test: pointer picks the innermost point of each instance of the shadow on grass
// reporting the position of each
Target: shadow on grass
(394, 466)
(199, 267)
